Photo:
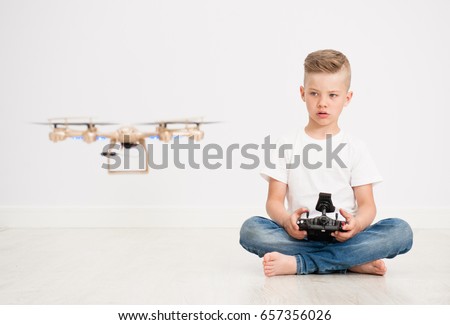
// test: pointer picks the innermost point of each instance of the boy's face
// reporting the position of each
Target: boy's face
(325, 95)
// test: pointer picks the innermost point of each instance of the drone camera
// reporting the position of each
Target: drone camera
(128, 145)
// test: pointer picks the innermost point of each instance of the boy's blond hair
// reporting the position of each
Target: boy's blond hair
(327, 61)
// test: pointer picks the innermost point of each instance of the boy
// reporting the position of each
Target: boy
(349, 175)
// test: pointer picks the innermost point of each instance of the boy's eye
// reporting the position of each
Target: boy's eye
(333, 95)
(313, 93)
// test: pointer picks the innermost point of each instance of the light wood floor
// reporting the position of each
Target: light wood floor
(197, 266)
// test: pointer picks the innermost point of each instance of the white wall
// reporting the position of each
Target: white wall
(235, 61)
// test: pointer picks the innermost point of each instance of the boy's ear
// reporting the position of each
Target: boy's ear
(348, 97)
(302, 92)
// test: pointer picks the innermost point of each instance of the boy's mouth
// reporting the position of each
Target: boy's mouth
(323, 114)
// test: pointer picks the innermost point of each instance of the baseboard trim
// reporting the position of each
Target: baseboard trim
(179, 217)
(124, 216)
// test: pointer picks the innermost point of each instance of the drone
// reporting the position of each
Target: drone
(127, 136)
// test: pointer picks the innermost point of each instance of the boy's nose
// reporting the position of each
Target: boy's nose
(322, 102)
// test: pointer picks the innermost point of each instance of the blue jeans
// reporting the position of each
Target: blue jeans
(384, 239)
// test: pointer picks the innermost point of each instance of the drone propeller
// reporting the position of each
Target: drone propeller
(88, 124)
(180, 122)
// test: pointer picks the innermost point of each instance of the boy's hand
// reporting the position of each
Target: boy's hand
(291, 227)
(352, 227)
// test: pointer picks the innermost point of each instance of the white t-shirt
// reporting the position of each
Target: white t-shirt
(310, 166)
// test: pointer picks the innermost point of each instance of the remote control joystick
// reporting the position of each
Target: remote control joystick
(321, 227)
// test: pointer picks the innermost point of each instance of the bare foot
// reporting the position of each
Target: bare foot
(375, 267)
(279, 264)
